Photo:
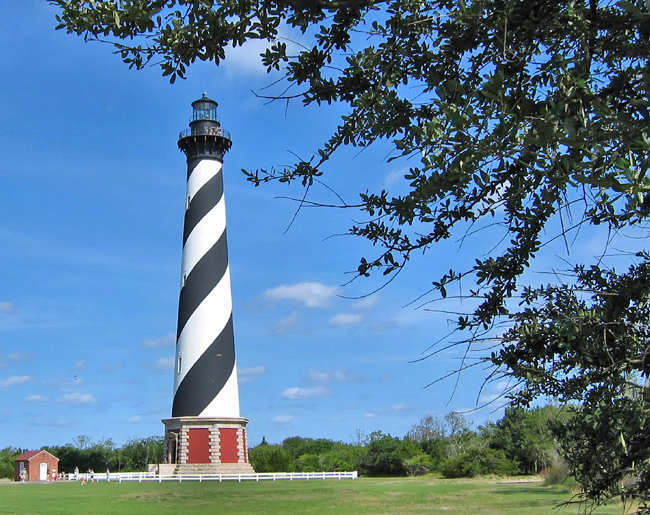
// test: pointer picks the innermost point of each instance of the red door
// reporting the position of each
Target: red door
(228, 445)
(198, 446)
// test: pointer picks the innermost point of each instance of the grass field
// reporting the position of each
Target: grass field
(365, 495)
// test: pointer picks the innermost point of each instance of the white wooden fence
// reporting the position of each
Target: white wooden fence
(140, 477)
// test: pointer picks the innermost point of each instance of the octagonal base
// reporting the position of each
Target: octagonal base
(199, 445)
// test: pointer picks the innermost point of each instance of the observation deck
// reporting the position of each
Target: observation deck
(204, 139)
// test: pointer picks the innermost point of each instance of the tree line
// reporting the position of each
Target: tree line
(134, 455)
(519, 443)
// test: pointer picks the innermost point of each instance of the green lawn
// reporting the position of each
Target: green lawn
(365, 495)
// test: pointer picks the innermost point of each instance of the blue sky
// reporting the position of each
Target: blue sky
(91, 210)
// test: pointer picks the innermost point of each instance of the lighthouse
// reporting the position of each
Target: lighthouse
(205, 432)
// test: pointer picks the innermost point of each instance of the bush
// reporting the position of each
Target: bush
(308, 463)
(388, 456)
(557, 474)
(343, 457)
(483, 461)
(462, 465)
(419, 465)
(438, 449)
(270, 458)
(297, 446)
(7, 456)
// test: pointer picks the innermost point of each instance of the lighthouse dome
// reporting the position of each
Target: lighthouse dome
(204, 109)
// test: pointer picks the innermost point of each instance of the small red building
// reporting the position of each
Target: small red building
(37, 465)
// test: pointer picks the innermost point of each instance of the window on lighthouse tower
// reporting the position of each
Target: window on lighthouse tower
(204, 114)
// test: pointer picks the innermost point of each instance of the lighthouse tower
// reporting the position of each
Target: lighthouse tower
(206, 432)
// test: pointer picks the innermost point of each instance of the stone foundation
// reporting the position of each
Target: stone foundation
(162, 469)
(209, 468)
(197, 445)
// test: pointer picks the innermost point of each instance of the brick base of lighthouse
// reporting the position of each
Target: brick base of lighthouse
(198, 445)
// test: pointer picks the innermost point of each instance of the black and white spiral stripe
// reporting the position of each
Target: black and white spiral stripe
(205, 378)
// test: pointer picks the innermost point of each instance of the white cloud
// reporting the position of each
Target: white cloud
(163, 364)
(366, 302)
(343, 319)
(35, 398)
(14, 356)
(79, 365)
(395, 408)
(166, 340)
(14, 381)
(297, 393)
(494, 392)
(67, 385)
(286, 324)
(245, 60)
(333, 376)
(386, 325)
(110, 367)
(282, 419)
(77, 398)
(6, 307)
(250, 374)
(394, 177)
(58, 423)
(310, 294)
(135, 419)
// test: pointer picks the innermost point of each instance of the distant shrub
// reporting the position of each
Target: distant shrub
(7, 456)
(335, 463)
(438, 449)
(308, 463)
(298, 446)
(557, 474)
(318, 455)
(461, 465)
(270, 458)
(419, 465)
(387, 456)
(482, 461)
